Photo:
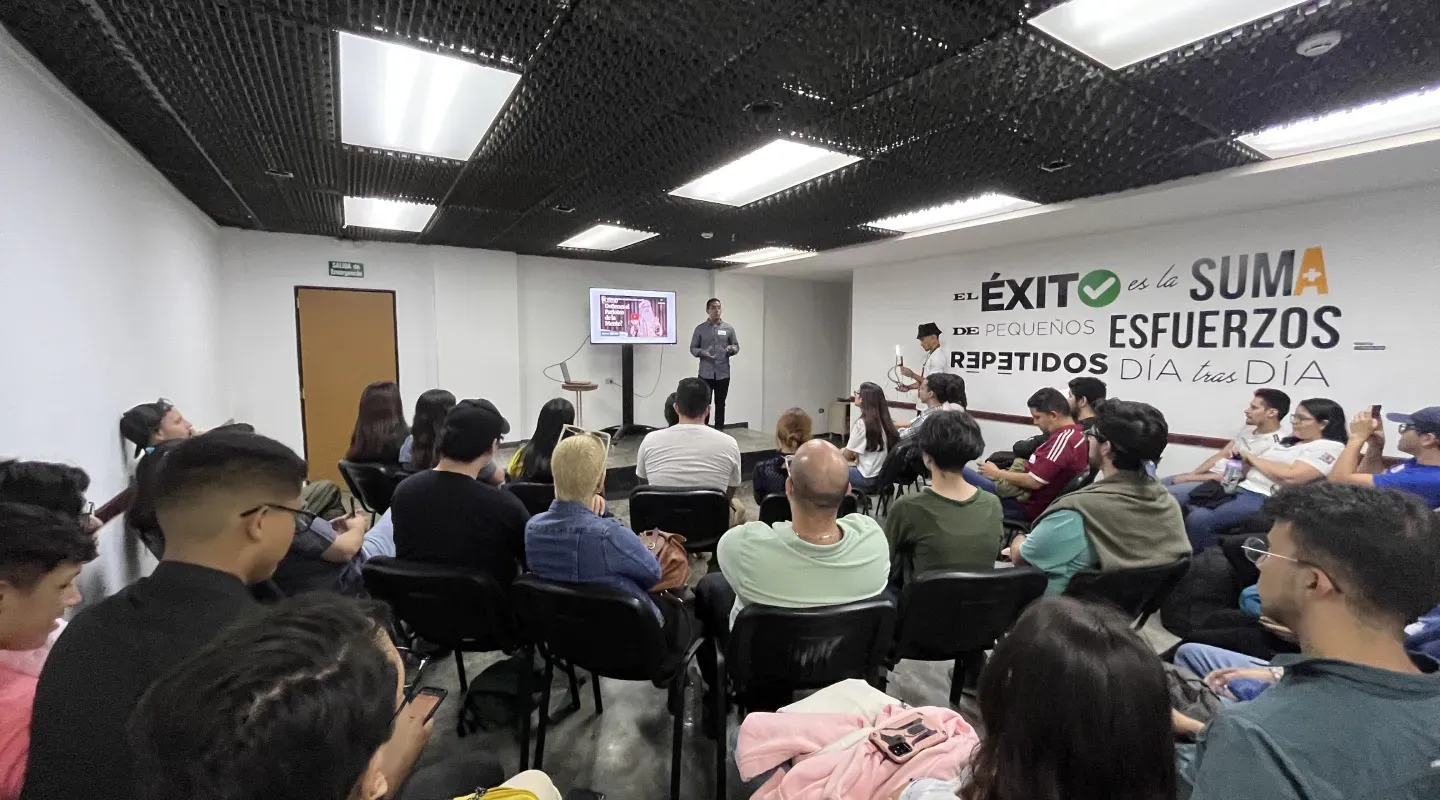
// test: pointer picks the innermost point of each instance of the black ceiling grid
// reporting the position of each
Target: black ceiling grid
(620, 101)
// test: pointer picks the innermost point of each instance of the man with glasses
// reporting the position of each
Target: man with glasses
(1353, 715)
(1419, 438)
(229, 503)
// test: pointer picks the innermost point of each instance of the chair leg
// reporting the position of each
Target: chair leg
(957, 680)
(464, 716)
(544, 714)
(678, 685)
(595, 685)
(721, 691)
(574, 687)
(527, 703)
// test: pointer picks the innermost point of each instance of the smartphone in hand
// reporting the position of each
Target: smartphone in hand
(423, 704)
(1375, 412)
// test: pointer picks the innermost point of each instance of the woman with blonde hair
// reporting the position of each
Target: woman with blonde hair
(792, 430)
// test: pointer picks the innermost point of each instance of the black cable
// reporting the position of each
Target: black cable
(546, 370)
(658, 370)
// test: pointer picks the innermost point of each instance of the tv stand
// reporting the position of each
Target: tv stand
(627, 426)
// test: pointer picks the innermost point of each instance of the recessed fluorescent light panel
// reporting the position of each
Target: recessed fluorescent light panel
(773, 168)
(986, 205)
(763, 254)
(372, 212)
(394, 97)
(606, 237)
(1406, 113)
(1118, 33)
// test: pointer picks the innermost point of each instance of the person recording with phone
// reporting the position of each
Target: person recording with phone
(315, 675)
(1419, 439)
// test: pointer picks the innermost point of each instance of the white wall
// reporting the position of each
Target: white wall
(1379, 253)
(109, 283)
(806, 338)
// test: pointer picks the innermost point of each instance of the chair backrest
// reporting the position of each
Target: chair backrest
(947, 613)
(1138, 591)
(600, 628)
(809, 648)
(1078, 482)
(776, 508)
(902, 465)
(537, 497)
(371, 484)
(456, 608)
(700, 515)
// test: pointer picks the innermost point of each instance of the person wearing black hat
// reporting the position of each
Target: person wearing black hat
(935, 359)
(1419, 437)
(149, 424)
(446, 516)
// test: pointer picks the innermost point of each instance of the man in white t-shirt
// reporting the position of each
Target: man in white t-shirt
(935, 358)
(691, 454)
(1261, 432)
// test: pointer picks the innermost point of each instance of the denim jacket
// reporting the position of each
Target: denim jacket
(569, 543)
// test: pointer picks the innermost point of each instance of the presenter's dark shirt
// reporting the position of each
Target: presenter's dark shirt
(451, 519)
(101, 665)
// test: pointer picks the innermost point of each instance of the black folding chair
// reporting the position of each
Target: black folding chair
(609, 632)
(776, 508)
(798, 648)
(371, 484)
(462, 610)
(700, 515)
(537, 497)
(1138, 592)
(958, 615)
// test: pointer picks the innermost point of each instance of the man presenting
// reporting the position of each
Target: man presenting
(713, 342)
(929, 336)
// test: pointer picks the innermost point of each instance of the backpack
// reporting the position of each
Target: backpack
(669, 550)
(1209, 586)
(1190, 696)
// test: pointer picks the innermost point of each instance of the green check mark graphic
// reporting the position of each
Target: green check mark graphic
(1099, 288)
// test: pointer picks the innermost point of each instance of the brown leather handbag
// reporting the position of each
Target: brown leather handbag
(669, 550)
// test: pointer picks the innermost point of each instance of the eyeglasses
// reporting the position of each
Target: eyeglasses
(303, 519)
(88, 510)
(1406, 427)
(1296, 418)
(1254, 548)
(1094, 433)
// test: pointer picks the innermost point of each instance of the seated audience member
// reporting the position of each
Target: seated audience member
(691, 454)
(1419, 438)
(1086, 395)
(328, 555)
(316, 676)
(1124, 519)
(229, 505)
(531, 463)
(1308, 455)
(951, 524)
(936, 392)
(672, 418)
(149, 424)
(871, 435)
(1063, 455)
(1081, 737)
(1346, 568)
(791, 431)
(57, 487)
(1261, 432)
(41, 554)
(445, 516)
(380, 429)
(419, 451)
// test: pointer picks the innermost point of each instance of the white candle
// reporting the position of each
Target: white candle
(897, 351)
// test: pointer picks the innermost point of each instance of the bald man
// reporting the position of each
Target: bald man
(813, 560)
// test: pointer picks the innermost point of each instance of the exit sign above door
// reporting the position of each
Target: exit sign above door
(347, 269)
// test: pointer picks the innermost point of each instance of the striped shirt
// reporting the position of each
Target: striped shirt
(1063, 456)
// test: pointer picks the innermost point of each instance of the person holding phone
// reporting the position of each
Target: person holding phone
(316, 675)
(1419, 439)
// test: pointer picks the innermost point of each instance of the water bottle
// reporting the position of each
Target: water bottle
(1234, 473)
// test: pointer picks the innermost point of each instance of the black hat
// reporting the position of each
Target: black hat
(140, 423)
(475, 421)
(927, 329)
(489, 406)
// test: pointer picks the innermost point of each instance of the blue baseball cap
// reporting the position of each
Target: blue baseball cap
(1426, 420)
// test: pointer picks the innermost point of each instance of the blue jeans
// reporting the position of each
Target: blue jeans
(858, 481)
(1203, 659)
(1009, 505)
(1205, 524)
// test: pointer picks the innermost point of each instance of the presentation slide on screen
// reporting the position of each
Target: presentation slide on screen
(632, 316)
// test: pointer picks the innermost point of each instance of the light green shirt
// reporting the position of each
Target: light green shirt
(772, 566)
(1058, 547)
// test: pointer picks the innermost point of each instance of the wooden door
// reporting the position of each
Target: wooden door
(346, 340)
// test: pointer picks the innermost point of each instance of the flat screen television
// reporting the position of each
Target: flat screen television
(631, 316)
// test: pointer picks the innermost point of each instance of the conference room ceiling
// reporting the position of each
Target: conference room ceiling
(621, 101)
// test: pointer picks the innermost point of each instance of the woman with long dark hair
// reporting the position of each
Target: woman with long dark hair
(531, 462)
(1318, 436)
(421, 449)
(1075, 706)
(380, 427)
(871, 436)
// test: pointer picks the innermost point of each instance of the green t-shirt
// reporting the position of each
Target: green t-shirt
(1058, 547)
(935, 532)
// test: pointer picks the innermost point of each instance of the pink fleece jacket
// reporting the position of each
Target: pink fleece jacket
(855, 772)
